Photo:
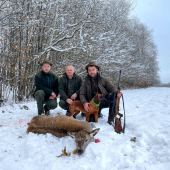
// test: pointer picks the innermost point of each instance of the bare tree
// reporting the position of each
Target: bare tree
(73, 32)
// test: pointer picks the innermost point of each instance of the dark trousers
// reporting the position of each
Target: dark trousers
(41, 99)
(63, 104)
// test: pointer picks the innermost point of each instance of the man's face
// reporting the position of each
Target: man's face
(46, 67)
(92, 70)
(69, 70)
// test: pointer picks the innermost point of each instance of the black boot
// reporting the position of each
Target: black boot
(91, 118)
(100, 115)
(83, 114)
(68, 112)
(111, 116)
(41, 113)
(47, 111)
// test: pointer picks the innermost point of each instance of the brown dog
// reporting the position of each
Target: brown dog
(77, 106)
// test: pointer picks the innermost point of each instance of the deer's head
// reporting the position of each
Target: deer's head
(83, 138)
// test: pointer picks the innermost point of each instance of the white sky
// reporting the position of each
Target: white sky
(156, 15)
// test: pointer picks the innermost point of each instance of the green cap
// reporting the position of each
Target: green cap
(46, 61)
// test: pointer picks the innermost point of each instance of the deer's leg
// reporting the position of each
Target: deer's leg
(60, 135)
(55, 132)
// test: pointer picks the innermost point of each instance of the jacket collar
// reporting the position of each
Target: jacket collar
(46, 73)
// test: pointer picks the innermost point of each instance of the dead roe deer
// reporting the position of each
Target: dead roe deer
(61, 126)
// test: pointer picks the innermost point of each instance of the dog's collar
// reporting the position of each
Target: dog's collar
(95, 103)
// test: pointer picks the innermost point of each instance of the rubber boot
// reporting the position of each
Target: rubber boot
(47, 111)
(41, 113)
(112, 108)
(68, 112)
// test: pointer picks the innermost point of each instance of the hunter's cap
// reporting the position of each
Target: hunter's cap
(91, 64)
(46, 61)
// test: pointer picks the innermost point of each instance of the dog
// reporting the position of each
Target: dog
(77, 106)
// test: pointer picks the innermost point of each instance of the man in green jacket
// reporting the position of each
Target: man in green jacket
(95, 83)
(69, 88)
(46, 91)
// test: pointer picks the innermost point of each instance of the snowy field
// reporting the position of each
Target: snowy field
(147, 122)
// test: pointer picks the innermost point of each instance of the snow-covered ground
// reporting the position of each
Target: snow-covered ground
(147, 119)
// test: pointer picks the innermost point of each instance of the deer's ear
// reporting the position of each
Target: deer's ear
(72, 134)
(94, 132)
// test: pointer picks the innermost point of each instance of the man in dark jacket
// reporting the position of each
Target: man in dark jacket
(46, 91)
(94, 83)
(69, 88)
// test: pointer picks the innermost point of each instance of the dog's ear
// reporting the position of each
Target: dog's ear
(96, 99)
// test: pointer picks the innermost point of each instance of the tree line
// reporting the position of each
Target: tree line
(73, 32)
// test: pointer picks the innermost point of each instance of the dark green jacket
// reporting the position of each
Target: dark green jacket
(63, 85)
(104, 86)
(48, 82)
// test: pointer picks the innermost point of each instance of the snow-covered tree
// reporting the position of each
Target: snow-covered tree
(73, 32)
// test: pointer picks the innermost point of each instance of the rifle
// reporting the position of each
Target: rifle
(118, 125)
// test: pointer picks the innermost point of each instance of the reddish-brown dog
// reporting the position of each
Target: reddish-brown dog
(77, 106)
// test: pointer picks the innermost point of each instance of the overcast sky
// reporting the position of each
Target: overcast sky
(156, 15)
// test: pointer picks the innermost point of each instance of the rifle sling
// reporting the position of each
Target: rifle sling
(123, 130)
